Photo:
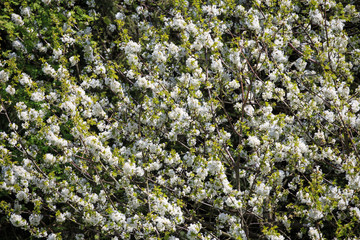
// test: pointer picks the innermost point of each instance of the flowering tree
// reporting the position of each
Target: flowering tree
(180, 119)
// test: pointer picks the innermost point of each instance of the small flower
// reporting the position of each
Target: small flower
(57, 53)
(117, 216)
(69, 107)
(73, 60)
(10, 90)
(191, 63)
(112, 27)
(37, 96)
(49, 158)
(314, 234)
(316, 17)
(278, 56)
(35, 219)
(17, 220)
(253, 23)
(18, 45)
(253, 141)
(249, 110)
(4, 76)
(52, 237)
(47, 2)
(26, 11)
(17, 19)
(120, 16)
(193, 230)
(48, 70)
(67, 39)
(132, 47)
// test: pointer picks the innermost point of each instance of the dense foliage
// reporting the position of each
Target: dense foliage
(232, 119)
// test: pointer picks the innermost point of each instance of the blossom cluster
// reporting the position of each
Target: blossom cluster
(180, 119)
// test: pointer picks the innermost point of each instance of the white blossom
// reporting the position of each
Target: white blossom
(17, 220)
(25, 79)
(120, 16)
(176, 114)
(314, 234)
(49, 158)
(69, 107)
(37, 96)
(48, 70)
(73, 61)
(253, 141)
(25, 11)
(10, 90)
(132, 47)
(4, 76)
(316, 16)
(18, 45)
(17, 19)
(253, 23)
(35, 219)
(193, 230)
